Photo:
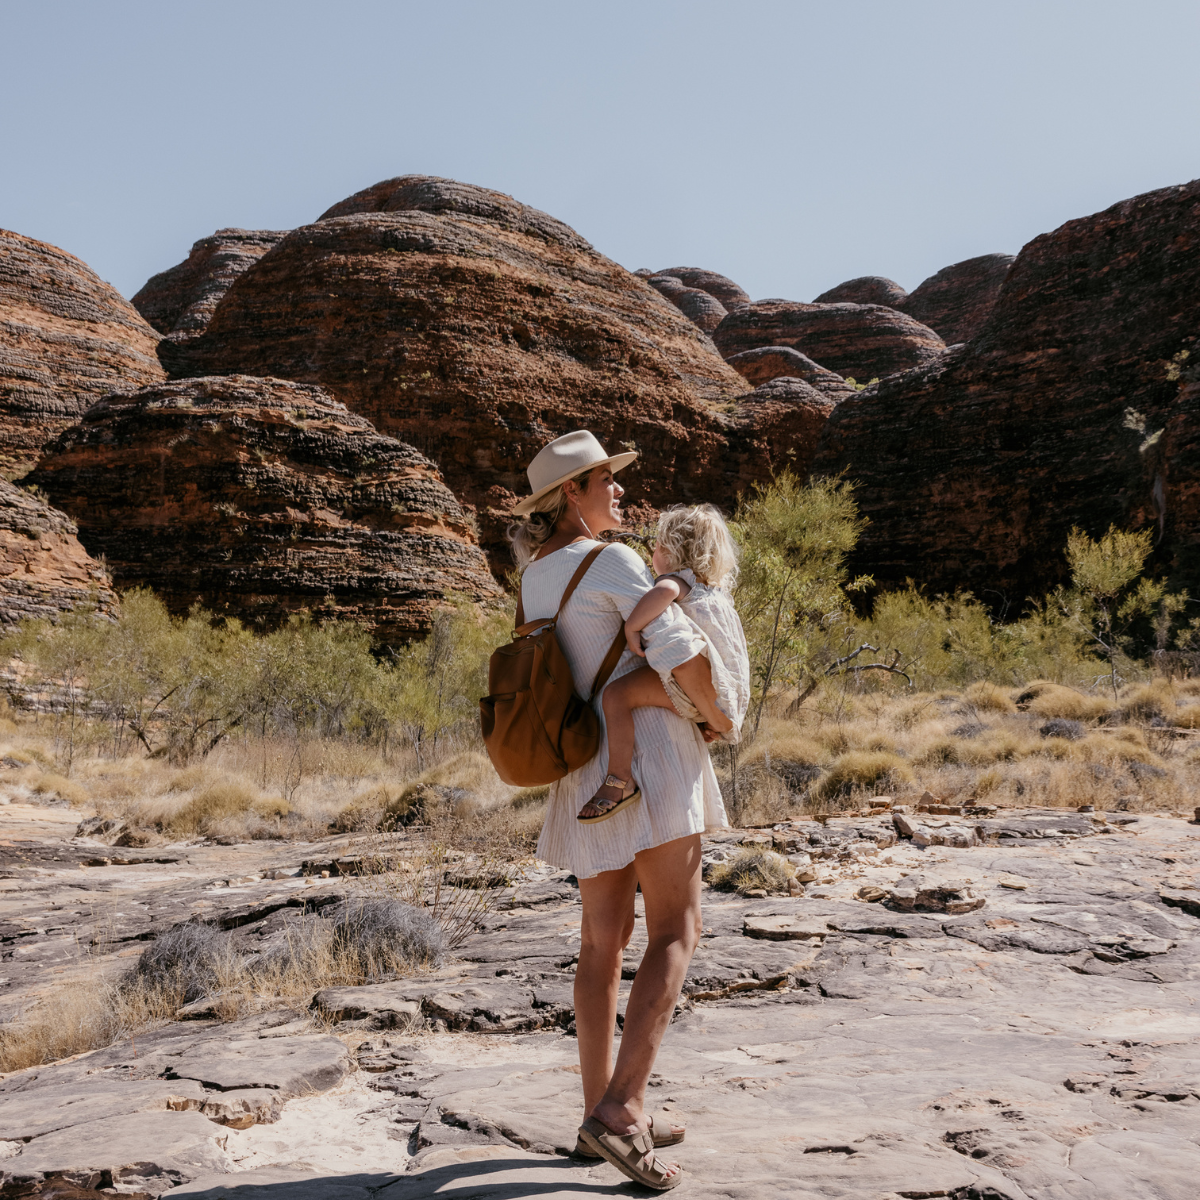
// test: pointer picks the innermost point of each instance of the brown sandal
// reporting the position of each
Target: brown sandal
(657, 1121)
(631, 1155)
(615, 806)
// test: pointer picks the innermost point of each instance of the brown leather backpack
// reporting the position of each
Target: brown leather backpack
(535, 727)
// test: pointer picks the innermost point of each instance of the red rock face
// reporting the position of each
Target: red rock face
(702, 309)
(778, 426)
(476, 329)
(866, 289)
(717, 286)
(260, 497)
(859, 341)
(1075, 404)
(181, 301)
(958, 299)
(772, 362)
(66, 338)
(44, 571)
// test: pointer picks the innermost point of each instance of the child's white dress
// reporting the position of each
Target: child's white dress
(711, 611)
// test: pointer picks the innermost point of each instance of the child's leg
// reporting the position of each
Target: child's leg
(639, 689)
(695, 677)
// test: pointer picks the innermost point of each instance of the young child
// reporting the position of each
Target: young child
(695, 560)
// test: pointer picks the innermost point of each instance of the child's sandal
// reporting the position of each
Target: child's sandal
(615, 806)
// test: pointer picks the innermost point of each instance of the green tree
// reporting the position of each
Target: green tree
(1108, 593)
(434, 685)
(791, 591)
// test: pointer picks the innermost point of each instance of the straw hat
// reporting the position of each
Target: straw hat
(563, 459)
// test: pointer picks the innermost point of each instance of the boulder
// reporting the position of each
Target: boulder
(769, 362)
(44, 570)
(66, 339)
(717, 286)
(958, 299)
(866, 289)
(477, 329)
(181, 300)
(260, 497)
(1076, 404)
(698, 306)
(858, 341)
(776, 426)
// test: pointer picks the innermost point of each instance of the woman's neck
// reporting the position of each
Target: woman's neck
(568, 530)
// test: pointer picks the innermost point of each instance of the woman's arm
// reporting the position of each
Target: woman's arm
(653, 604)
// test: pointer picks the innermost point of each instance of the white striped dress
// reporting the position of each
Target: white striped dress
(680, 795)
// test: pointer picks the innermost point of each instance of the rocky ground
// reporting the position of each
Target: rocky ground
(1012, 1016)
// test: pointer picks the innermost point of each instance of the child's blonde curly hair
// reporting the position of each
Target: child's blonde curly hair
(698, 538)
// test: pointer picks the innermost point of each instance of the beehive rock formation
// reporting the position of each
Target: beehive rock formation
(476, 329)
(771, 362)
(718, 286)
(1077, 403)
(260, 497)
(866, 289)
(66, 339)
(958, 299)
(859, 341)
(181, 300)
(698, 306)
(44, 571)
(777, 426)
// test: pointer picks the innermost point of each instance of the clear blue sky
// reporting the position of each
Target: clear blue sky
(788, 145)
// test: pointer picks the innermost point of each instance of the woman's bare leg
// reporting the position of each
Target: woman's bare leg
(695, 677)
(639, 689)
(670, 880)
(604, 933)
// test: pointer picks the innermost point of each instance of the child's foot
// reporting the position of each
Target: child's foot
(610, 798)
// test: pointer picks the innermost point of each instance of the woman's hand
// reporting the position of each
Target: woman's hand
(707, 732)
(633, 639)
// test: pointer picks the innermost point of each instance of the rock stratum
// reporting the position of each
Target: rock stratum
(66, 339)
(858, 341)
(866, 289)
(1076, 404)
(260, 497)
(44, 571)
(182, 300)
(770, 362)
(476, 329)
(959, 299)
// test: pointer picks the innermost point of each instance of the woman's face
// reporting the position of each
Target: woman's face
(599, 501)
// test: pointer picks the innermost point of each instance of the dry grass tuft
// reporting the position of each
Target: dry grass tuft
(753, 868)
(217, 803)
(989, 697)
(51, 784)
(1045, 699)
(865, 769)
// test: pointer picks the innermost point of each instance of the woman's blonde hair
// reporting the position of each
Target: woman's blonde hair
(530, 533)
(698, 538)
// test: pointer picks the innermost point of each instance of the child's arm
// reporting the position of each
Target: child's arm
(653, 604)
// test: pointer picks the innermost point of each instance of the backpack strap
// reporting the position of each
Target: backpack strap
(609, 665)
(618, 646)
(580, 572)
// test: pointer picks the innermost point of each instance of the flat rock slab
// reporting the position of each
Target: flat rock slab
(784, 928)
(386, 1004)
(292, 1066)
(149, 1151)
(35, 1111)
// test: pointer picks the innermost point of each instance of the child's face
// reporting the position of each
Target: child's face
(659, 561)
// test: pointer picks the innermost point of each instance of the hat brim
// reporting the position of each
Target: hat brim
(614, 462)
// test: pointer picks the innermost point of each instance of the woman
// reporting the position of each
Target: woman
(653, 842)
